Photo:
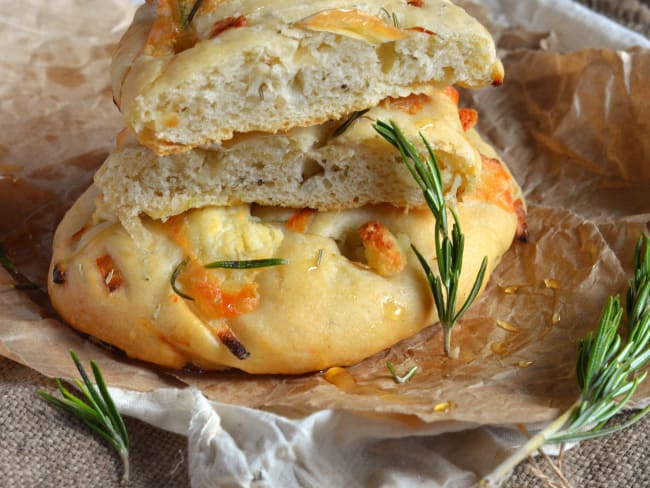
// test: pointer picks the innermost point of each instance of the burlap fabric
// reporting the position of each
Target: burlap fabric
(634, 14)
(43, 447)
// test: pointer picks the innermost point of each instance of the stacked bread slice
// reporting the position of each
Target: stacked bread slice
(250, 216)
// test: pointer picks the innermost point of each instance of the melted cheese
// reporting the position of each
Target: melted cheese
(223, 234)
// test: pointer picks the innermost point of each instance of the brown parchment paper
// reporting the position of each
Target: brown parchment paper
(573, 128)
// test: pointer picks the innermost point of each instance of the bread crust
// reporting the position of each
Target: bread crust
(327, 307)
(283, 66)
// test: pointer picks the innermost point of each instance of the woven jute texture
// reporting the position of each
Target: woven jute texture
(634, 14)
(618, 460)
(43, 447)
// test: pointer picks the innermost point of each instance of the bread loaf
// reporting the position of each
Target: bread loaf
(247, 65)
(351, 288)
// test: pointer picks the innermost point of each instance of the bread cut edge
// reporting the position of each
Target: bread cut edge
(194, 98)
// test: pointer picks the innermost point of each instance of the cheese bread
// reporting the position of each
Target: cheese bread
(345, 285)
(189, 74)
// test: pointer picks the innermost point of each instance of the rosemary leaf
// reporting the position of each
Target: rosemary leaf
(111, 409)
(474, 291)
(190, 17)
(395, 21)
(7, 263)
(396, 377)
(345, 125)
(391, 16)
(249, 264)
(24, 286)
(172, 281)
(21, 282)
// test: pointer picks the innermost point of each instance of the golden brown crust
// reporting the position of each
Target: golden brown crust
(381, 248)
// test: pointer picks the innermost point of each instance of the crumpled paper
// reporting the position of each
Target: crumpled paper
(572, 128)
(235, 446)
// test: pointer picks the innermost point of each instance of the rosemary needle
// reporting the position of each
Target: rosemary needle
(391, 16)
(193, 11)
(21, 282)
(345, 125)
(23, 286)
(396, 377)
(97, 411)
(7, 263)
(607, 370)
(172, 281)
(449, 251)
(247, 264)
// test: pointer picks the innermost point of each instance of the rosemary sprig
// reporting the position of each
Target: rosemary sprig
(607, 370)
(449, 251)
(98, 411)
(398, 378)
